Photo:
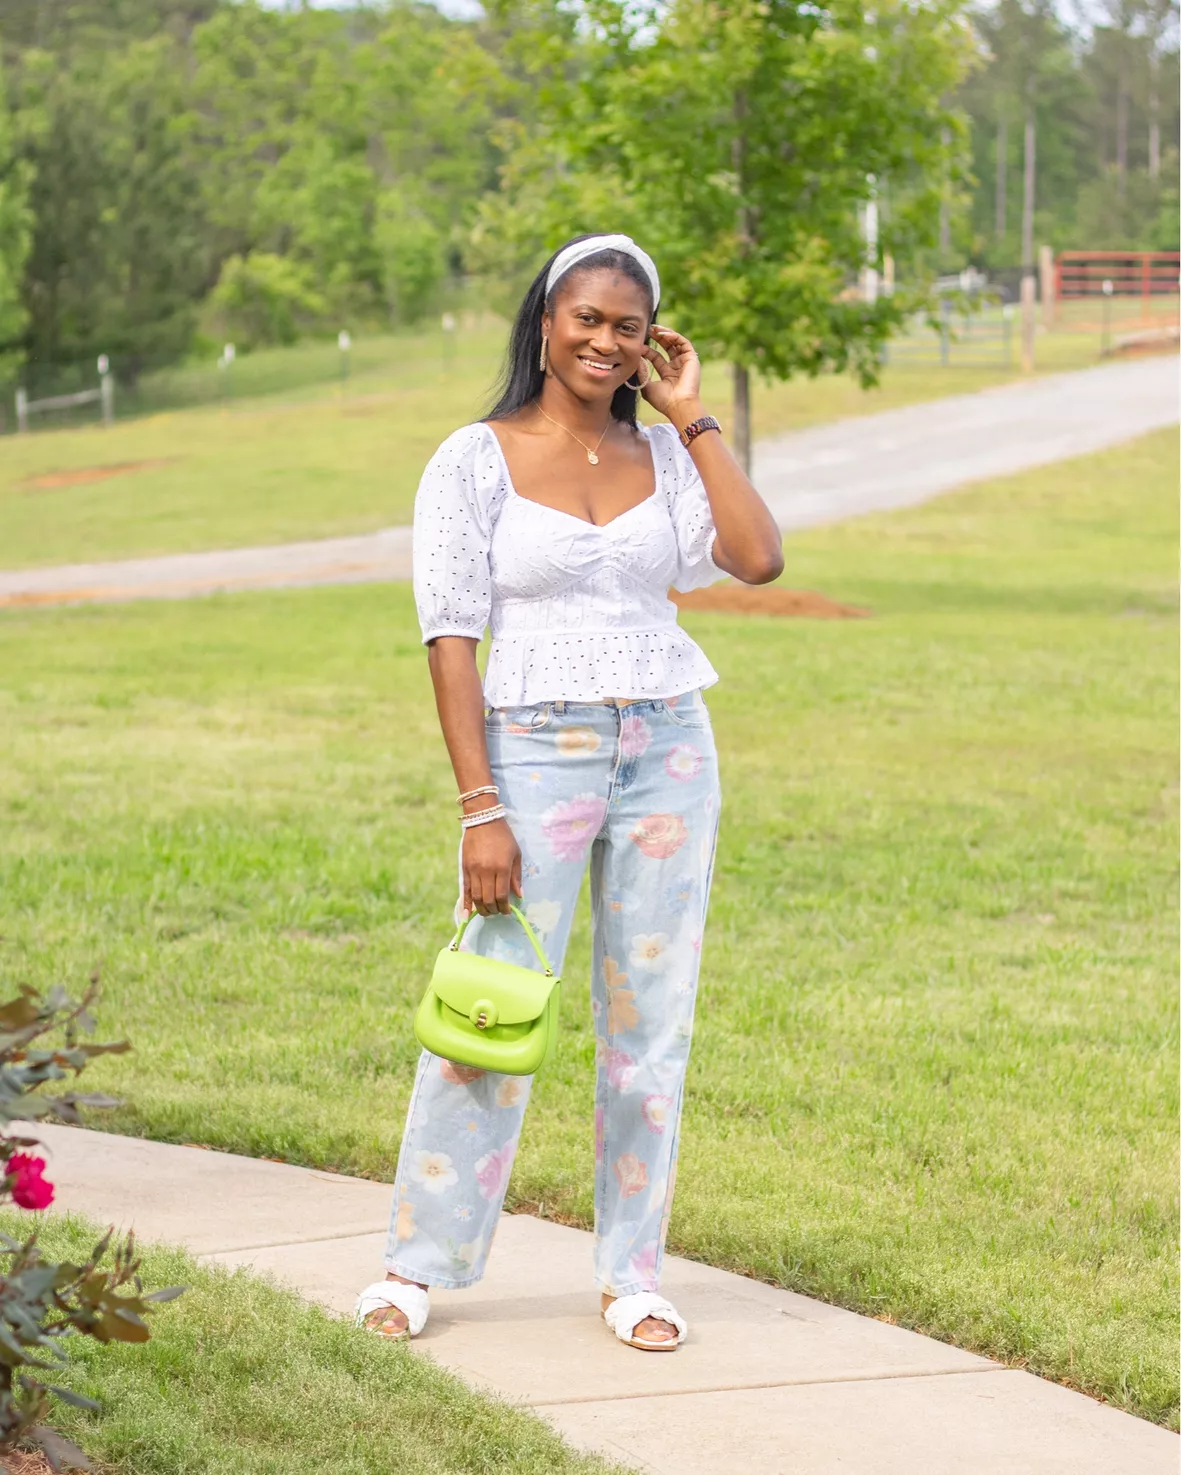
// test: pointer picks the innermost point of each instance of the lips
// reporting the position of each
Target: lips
(599, 367)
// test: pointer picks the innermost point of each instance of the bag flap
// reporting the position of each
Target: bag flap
(463, 980)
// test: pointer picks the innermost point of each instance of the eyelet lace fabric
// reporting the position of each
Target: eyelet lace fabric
(577, 612)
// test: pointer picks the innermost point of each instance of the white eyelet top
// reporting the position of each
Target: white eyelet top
(577, 611)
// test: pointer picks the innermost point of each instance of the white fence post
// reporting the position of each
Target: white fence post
(22, 411)
(106, 387)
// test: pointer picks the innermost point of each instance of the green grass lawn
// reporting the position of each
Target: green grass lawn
(309, 461)
(242, 1378)
(934, 1075)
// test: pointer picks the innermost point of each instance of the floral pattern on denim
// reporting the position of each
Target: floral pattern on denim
(634, 793)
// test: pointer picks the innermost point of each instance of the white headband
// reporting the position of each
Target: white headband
(580, 250)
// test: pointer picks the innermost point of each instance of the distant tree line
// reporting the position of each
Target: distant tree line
(177, 168)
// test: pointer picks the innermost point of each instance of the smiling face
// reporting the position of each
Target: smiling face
(597, 331)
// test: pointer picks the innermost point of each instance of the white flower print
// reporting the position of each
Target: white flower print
(651, 951)
(544, 915)
(683, 762)
(434, 1170)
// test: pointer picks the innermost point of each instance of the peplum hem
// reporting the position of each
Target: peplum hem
(585, 666)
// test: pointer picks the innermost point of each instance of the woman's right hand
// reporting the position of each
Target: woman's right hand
(491, 868)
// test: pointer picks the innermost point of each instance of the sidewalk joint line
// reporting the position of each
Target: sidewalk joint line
(279, 1244)
(941, 1372)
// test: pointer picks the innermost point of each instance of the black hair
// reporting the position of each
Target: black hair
(522, 378)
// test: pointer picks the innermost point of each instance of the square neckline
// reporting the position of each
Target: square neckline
(645, 430)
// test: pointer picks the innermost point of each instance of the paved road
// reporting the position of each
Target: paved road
(768, 1381)
(866, 464)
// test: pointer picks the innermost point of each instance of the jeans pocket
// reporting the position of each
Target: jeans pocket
(518, 719)
(689, 710)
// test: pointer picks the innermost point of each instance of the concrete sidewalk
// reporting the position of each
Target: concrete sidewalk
(868, 464)
(768, 1381)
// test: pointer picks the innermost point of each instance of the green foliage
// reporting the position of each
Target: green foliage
(16, 229)
(262, 299)
(1093, 98)
(41, 1302)
(117, 261)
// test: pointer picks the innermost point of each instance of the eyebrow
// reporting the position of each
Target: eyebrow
(590, 307)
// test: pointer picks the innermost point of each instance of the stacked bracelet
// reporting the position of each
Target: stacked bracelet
(482, 816)
(475, 793)
(691, 432)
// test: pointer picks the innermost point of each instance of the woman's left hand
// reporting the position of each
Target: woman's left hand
(675, 380)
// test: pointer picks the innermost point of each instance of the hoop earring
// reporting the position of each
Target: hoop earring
(647, 380)
(544, 359)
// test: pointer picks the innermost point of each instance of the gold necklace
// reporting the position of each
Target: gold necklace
(591, 456)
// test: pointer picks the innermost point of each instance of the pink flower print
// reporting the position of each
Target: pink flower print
(632, 1175)
(619, 1065)
(458, 1075)
(660, 835)
(598, 1134)
(682, 762)
(571, 827)
(655, 1111)
(643, 1263)
(493, 1169)
(635, 737)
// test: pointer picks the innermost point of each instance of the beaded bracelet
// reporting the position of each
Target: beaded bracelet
(691, 432)
(482, 816)
(475, 793)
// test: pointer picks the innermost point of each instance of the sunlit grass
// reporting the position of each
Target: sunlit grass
(934, 1075)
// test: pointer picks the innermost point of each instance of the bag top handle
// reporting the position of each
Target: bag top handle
(529, 933)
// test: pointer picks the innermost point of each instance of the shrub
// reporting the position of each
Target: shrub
(42, 1303)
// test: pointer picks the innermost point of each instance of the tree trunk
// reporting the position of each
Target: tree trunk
(1121, 139)
(1154, 111)
(1002, 174)
(741, 376)
(944, 210)
(1029, 193)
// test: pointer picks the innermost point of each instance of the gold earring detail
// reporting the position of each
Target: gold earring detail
(647, 378)
(541, 363)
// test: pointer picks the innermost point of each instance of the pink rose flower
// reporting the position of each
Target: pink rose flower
(660, 835)
(458, 1075)
(635, 737)
(492, 1171)
(28, 1188)
(631, 1174)
(571, 827)
(620, 1066)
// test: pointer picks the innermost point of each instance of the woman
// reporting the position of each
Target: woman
(563, 522)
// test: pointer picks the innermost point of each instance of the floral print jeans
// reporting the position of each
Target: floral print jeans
(634, 788)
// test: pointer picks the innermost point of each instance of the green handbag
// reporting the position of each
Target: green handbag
(481, 1012)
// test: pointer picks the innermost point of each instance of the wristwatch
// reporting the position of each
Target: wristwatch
(691, 432)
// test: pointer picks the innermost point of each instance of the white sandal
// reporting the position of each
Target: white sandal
(412, 1301)
(626, 1312)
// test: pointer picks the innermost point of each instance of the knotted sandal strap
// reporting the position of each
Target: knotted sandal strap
(626, 1313)
(411, 1301)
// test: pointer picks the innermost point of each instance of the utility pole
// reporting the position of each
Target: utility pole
(1028, 281)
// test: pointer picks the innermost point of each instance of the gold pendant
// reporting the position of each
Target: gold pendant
(592, 458)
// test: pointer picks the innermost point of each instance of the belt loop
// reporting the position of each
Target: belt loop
(560, 708)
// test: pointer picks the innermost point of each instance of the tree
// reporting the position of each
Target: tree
(16, 234)
(739, 139)
(118, 261)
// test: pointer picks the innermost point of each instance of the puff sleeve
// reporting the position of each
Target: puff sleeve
(452, 536)
(692, 519)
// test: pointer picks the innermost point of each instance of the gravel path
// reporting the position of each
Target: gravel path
(867, 464)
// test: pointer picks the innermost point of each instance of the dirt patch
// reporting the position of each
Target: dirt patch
(769, 599)
(79, 474)
(22, 1462)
